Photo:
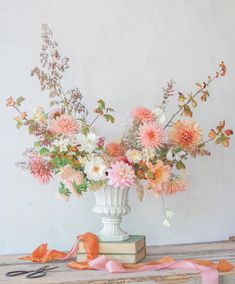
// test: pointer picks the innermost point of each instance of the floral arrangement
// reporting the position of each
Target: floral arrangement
(149, 156)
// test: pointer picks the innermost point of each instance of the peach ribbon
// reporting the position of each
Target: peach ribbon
(207, 269)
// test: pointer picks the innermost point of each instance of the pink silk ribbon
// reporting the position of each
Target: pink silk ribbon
(208, 275)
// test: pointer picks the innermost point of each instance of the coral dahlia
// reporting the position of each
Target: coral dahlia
(142, 114)
(151, 135)
(64, 124)
(40, 169)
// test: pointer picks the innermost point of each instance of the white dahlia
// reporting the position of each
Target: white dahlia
(95, 169)
(87, 143)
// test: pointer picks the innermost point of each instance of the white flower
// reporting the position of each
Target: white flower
(64, 142)
(39, 114)
(133, 156)
(168, 215)
(95, 169)
(87, 143)
(85, 159)
(166, 223)
(160, 116)
(172, 155)
(148, 154)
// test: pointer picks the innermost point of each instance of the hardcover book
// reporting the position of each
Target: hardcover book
(131, 246)
(122, 257)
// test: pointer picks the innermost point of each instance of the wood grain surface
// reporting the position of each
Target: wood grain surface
(211, 251)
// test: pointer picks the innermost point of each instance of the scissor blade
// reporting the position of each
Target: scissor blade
(51, 267)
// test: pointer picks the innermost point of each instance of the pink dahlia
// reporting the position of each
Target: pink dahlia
(151, 135)
(40, 169)
(185, 134)
(64, 124)
(142, 114)
(121, 175)
(173, 186)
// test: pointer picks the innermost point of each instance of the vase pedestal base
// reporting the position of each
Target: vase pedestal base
(112, 231)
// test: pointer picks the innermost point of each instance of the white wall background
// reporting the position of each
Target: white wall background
(122, 51)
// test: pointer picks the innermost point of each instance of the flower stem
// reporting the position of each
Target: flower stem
(189, 100)
(94, 120)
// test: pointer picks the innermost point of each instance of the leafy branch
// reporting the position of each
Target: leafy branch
(103, 111)
(185, 108)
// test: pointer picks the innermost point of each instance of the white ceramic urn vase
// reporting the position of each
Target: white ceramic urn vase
(111, 205)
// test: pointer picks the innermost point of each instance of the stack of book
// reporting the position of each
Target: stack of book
(132, 250)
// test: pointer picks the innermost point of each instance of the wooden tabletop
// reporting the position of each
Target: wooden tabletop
(211, 251)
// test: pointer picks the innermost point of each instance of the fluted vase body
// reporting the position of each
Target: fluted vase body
(111, 205)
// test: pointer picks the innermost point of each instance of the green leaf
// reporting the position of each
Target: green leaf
(85, 130)
(59, 162)
(43, 151)
(101, 103)
(178, 149)
(109, 117)
(19, 100)
(18, 124)
(31, 129)
(109, 109)
(64, 190)
(37, 144)
(218, 140)
(81, 187)
(180, 165)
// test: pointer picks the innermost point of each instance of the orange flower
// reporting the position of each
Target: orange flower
(114, 149)
(10, 102)
(185, 134)
(161, 175)
(21, 117)
(174, 186)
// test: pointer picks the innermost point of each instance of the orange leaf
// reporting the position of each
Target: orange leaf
(212, 134)
(10, 102)
(199, 85)
(221, 125)
(223, 69)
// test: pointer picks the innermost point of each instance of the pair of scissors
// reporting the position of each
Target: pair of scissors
(40, 272)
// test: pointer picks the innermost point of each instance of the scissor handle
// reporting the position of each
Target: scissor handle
(16, 273)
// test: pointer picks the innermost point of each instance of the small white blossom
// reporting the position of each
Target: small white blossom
(169, 213)
(95, 169)
(64, 142)
(171, 155)
(166, 223)
(160, 115)
(39, 114)
(88, 143)
(148, 154)
(134, 156)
